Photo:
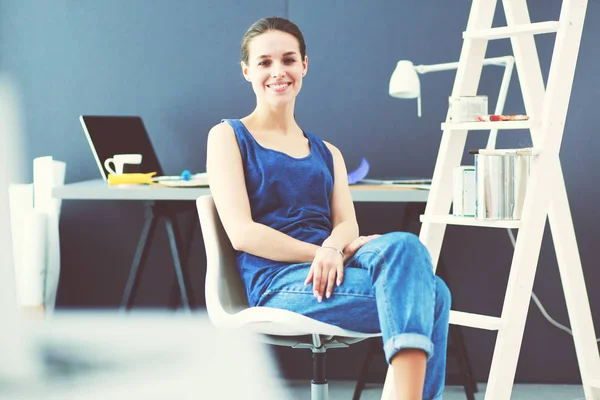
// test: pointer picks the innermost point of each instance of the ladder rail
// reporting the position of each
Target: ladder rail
(526, 56)
(560, 80)
(520, 282)
(575, 292)
(453, 142)
(554, 107)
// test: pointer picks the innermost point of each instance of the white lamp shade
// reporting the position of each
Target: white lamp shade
(404, 83)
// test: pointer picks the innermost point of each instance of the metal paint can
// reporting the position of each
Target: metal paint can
(467, 108)
(501, 178)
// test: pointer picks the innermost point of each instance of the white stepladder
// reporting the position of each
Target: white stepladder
(546, 195)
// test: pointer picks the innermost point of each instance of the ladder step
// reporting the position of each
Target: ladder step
(509, 31)
(475, 320)
(484, 126)
(470, 221)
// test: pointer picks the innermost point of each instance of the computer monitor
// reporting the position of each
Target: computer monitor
(110, 135)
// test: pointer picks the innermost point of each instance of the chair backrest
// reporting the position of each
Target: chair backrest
(225, 293)
(226, 300)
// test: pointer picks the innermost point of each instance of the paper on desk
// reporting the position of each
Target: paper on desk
(407, 183)
(197, 180)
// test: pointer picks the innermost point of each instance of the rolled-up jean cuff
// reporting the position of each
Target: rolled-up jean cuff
(407, 341)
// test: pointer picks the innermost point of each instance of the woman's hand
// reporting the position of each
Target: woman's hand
(356, 244)
(328, 265)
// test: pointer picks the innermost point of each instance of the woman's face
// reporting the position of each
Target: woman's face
(275, 67)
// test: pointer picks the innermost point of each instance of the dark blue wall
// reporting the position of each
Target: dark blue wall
(176, 64)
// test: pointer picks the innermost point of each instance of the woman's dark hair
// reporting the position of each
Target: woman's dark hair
(271, 24)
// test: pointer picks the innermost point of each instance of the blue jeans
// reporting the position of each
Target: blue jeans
(388, 287)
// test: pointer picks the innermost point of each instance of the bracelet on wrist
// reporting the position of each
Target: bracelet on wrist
(340, 252)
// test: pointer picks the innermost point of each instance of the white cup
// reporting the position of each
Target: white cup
(118, 160)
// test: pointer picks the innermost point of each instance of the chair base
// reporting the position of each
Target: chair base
(318, 345)
(319, 391)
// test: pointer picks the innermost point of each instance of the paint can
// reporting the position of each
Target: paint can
(501, 178)
(467, 108)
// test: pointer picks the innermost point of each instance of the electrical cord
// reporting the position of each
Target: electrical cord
(537, 301)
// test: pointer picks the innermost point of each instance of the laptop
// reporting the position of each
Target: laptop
(110, 135)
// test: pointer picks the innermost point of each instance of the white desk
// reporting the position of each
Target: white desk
(99, 190)
(166, 202)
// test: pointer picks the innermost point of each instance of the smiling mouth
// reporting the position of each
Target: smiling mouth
(279, 86)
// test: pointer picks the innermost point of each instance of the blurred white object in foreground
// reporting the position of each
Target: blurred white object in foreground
(16, 361)
(146, 355)
(105, 355)
(34, 212)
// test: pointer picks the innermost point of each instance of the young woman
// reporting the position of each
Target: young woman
(282, 195)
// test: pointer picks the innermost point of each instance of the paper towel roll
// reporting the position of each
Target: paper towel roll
(48, 173)
(30, 275)
(52, 262)
(43, 176)
(20, 198)
(29, 239)
(59, 168)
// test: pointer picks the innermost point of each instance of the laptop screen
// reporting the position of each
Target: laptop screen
(110, 135)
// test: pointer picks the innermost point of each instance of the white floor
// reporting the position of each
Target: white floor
(343, 390)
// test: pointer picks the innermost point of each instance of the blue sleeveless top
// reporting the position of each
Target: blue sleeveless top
(289, 194)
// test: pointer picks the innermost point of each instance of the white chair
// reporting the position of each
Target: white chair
(227, 305)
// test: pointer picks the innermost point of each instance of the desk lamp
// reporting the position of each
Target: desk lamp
(405, 84)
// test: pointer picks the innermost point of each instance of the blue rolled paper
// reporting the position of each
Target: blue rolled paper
(359, 173)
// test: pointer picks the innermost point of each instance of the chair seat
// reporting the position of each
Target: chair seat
(274, 321)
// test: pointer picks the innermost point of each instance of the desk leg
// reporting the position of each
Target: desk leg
(193, 224)
(175, 295)
(410, 221)
(181, 273)
(139, 260)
